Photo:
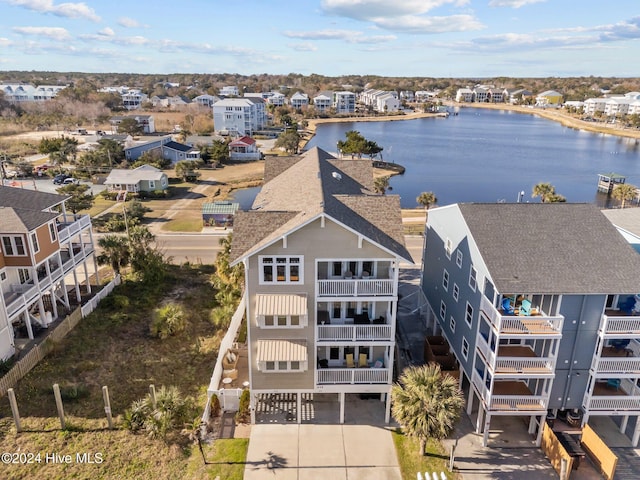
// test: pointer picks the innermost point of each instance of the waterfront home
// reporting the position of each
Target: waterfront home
(45, 252)
(543, 317)
(344, 102)
(321, 254)
(549, 98)
(465, 95)
(322, 102)
(239, 116)
(244, 149)
(299, 101)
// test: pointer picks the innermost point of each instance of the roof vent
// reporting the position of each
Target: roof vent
(336, 175)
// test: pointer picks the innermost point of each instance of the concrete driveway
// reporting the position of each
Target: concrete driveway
(305, 452)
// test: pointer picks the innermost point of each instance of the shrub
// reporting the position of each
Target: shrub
(171, 412)
(73, 391)
(242, 415)
(115, 302)
(6, 365)
(168, 321)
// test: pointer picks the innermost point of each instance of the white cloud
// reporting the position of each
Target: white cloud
(425, 25)
(303, 47)
(55, 33)
(367, 9)
(69, 10)
(112, 38)
(107, 32)
(407, 16)
(349, 36)
(5, 42)
(513, 3)
(128, 22)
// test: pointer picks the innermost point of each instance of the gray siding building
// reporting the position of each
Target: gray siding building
(538, 304)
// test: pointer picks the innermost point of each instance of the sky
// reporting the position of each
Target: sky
(402, 38)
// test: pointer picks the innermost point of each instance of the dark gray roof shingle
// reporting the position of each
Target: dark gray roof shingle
(556, 248)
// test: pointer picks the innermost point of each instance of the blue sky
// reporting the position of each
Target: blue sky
(432, 38)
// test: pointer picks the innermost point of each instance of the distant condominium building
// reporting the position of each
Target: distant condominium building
(239, 116)
(18, 93)
(344, 102)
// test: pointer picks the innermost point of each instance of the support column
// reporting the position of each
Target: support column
(299, 407)
(95, 267)
(77, 286)
(387, 409)
(543, 422)
(636, 433)
(341, 398)
(532, 424)
(27, 322)
(479, 419)
(470, 400)
(623, 423)
(54, 302)
(87, 278)
(487, 424)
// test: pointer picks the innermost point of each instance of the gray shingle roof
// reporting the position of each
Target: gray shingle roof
(319, 183)
(556, 248)
(24, 210)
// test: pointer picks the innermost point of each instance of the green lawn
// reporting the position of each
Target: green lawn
(113, 347)
(435, 460)
(225, 458)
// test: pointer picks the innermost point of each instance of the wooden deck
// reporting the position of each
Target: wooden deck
(511, 387)
(515, 351)
(603, 390)
(616, 352)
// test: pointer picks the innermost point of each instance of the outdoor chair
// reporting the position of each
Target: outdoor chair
(362, 360)
(613, 383)
(349, 359)
(507, 306)
(525, 308)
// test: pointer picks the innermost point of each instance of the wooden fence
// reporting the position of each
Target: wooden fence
(41, 350)
(601, 455)
(556, 453)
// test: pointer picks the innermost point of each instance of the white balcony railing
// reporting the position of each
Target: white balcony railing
(354, 332)
(353, 376)
(614, 403)
(620, 366)
(517, 403)
(617, 325)
(355, 288)
(516, 326)
(73, 225)
(523, 366)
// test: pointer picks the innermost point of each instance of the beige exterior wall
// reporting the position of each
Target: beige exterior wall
(312, 241)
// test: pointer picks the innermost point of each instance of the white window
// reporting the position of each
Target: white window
(459, 258)
(452, 324)
(34, 240)
(14, 246)
(281, 321)
(445, 280)
(282, 366)
(24, 275)
(465, 348)
(52, 232)
(3, 276)
(281, 269)
(468, 315)
(152, 184)
(456, 291)
(448, 248)
(473, 281)
(443, 310)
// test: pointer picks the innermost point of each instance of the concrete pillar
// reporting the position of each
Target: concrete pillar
(487, 424)
(87, 279)
(636, 433)
(387, 409)
(532, 424)
(540, 429)
(623, 423)
(77, 286)
(341, 398)
(299, 407)
(27, 322)
(479, 419)
(54, 302)
(95, 265)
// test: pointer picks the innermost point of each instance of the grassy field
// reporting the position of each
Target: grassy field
(435, 460)
(113, 347)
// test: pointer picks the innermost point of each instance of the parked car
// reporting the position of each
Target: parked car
(70, 180)
(58, 179)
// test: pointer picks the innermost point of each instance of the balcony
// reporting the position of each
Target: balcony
(611, 399)
(618, 360)
(510, 396)
(537, 324)
(19, 296)
(515, 361)
(618, 324)
(353, 376)
(354, 333)
(72, 225)
(356, 288)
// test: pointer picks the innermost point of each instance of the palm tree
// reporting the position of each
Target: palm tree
(115, 252)
(544, 191)
(624, 192)
(381, 185)
(426, 199)
(426, 403)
